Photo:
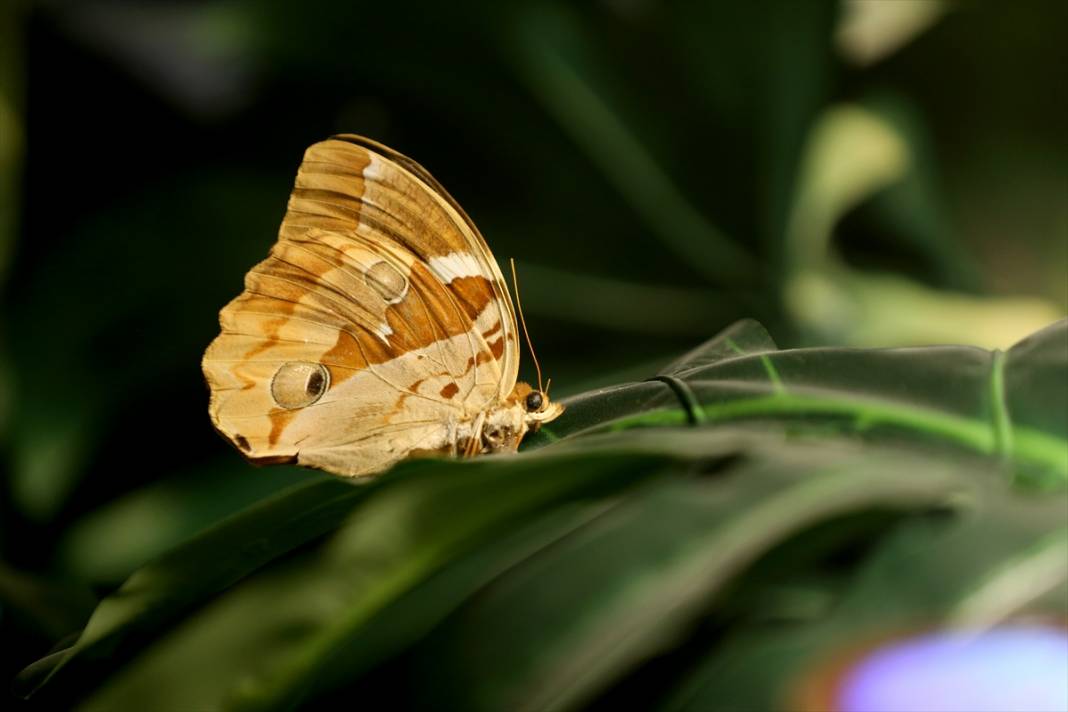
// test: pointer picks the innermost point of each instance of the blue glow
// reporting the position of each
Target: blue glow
(1022, 668)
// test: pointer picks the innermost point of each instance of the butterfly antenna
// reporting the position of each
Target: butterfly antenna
(523, 321)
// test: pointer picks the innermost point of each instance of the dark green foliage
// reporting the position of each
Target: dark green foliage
(748, 505)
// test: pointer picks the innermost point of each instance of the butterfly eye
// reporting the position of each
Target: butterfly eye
(298, 384)
(534, 401)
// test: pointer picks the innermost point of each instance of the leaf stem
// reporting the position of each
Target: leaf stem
(1031, 446)
(999, 409)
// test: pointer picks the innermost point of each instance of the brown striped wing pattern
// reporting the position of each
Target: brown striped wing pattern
(378, 322)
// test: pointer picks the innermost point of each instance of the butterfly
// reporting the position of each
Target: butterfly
(378, 328)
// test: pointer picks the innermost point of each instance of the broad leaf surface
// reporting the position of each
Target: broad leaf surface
(666, 517)
(1010, 406)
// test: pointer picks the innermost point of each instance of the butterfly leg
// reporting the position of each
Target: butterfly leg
(474, 442)
(452, 439)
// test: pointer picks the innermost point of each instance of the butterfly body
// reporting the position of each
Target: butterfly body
(378, 328)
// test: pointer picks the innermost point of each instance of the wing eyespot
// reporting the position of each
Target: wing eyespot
(298, 384)
(387, 280)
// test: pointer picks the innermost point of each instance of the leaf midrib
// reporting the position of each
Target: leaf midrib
(1028, 445)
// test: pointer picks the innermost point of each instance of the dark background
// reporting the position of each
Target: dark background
(648, 164)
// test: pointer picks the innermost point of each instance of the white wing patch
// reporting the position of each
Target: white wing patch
(375, 169)
(455, 265)
(384, 330)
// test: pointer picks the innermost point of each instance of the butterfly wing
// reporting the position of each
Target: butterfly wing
(378, 322)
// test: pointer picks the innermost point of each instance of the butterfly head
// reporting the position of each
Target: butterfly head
(536, 406)
(524, 411)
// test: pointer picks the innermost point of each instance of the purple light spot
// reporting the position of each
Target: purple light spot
(1023, 668)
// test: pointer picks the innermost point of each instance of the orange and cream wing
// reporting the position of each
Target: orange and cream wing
(378, 322)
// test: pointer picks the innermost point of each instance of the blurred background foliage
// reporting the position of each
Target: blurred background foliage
(853, 173)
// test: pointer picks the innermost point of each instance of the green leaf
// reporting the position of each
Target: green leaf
(953, 396)
(161, 592)
(99, 548)
(1034, 381)
(674, 517)
(1001, 557)
(415, 613)
(629, 584)
(739, 339)
(257, 646)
